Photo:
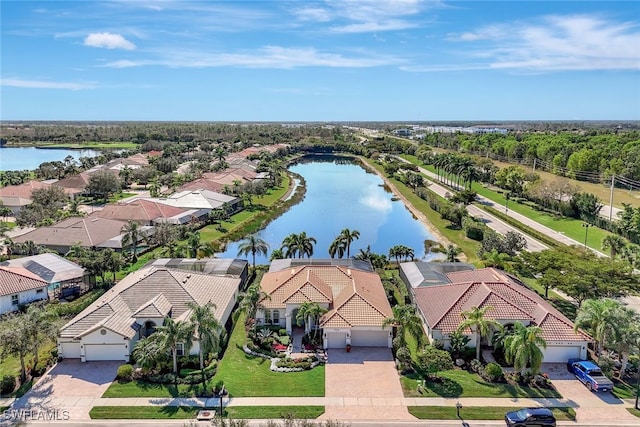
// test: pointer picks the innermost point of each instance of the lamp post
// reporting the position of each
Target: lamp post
(586, 233)
(507, 195)
(458, 407)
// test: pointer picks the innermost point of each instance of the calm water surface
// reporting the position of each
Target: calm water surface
(344, 196)
(29, 158)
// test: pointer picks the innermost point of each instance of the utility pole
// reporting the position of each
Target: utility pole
(613, 180)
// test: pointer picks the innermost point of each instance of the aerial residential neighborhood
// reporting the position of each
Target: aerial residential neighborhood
(329, 213)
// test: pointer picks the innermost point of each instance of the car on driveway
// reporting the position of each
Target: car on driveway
(538, 417)
(590, 375)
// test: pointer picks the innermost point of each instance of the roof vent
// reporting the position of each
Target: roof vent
(349, 271)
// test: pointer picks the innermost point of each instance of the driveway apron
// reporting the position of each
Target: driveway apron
(366, 382)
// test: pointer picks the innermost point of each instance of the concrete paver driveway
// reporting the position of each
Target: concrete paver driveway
(589, 406)
(367, 384)
(71, 385)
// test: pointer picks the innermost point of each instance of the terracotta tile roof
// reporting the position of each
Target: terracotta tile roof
(442, 306)
(356, 298)
(18, 279)
(75, 182)
(140, 210)
(11, 201)
(23, 190)
(202, 184)
(152, 290)
(89, 231)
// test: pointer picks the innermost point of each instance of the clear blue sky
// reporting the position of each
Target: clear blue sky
(404, 60)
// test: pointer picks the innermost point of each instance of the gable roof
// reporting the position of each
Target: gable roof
(442, 307)
(49, 267)
(23, 190)
(354, 297)
(152, 292)
(18, 279)
(140, 210)
(195, 199)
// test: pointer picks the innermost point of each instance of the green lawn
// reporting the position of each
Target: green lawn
(145, 389)
(623, 390)
(634, 411)
(478, 412)
(188, 412)
(460, 383)
(246, 375)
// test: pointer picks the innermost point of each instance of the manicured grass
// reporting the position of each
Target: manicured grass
(92, 145)
(460, 383)
(634, 411)
(468, 246)
(246, 375)
(274, 412)
(478, 412)
(622, 390)
(143, 412)
(146, 389)
(188, 412)
(120, 196)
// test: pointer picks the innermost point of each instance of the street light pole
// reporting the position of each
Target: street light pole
(506, 207)
(586, 232)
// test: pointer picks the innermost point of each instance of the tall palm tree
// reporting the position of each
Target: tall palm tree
(337, 247)
(451, 253)
(147, 352)
(405, 320)
(615, 244)
(310, 310)
(250, 300)
(522, 348)
(626, 336)
(348, 236)
(41, 327)
(597, 316)
(207, 329)
(305, 245)
(173, 333)
(290, 246)
(475, 321)
(255, 245)
(131, 235)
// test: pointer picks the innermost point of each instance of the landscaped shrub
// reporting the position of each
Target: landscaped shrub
(476, 366)
(282, 332)
(8, 384)
(404, 357)
(492, 372)
(125, 373)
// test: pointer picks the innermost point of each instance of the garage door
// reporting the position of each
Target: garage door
(336, 339)
(560, 354)
(95, 352)
(70, 350)
(369, 338)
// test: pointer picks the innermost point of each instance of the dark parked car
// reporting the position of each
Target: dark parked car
(539, 417)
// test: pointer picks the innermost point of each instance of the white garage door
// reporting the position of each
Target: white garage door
(369, 338)
(95, 352)
(560, 354)
(336, 339)
(70, 350)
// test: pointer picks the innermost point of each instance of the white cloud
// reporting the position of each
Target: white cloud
(108, 41)
(43, 84)
(556, 43)
(375, 201)
(277, 57)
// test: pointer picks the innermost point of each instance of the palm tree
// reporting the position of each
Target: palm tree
(522, 348)
(173, 333)
(405, 320)
(276, 254)
(597, 316)
(626, 336)
(41, 327)
(250, 300)
(475, 321)
(207, 329)
(337, 247)
(131, 236)
(615, 244)
(147, 352)
(451, 253)
(396, 252)
(348, 236)
(253, 244)
(290, 246)
(305, 245)
(310, 310)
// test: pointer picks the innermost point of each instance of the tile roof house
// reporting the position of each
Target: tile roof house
(111, 326)
(145, 212)
(18, 196)
(75, 185)
(355, 299)
(19, 286)
(200, 201)
(441, 307)
(89, 232)
(64, 277)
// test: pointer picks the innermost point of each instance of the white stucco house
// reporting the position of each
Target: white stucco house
(20, 286)
(111, 326)
(355, 301)
(442, 301)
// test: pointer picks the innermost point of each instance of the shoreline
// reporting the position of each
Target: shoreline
(433, 230)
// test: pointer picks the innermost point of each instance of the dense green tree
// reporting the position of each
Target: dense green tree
(255, 245)
(523, 348)
(103, 184)
(131, 236)
(207, 329)
(475, 320)
(406, 321)
(173, 334)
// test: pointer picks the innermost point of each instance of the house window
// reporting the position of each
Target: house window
(276, 317)
(39, 291)
(267, 317)
(180, 349)
(14, 299)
